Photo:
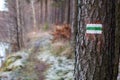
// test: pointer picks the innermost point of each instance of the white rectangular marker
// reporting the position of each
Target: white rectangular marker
(94, 28)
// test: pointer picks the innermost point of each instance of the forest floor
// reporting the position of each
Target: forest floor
(42, 59)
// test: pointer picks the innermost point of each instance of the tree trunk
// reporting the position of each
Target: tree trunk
(67, 12)
(18, 24)
(22, 22)
(62, 11)
(55, 21)
(117, 39)
(74, 23)
(33, 13)
(95, 53)
(46, 10)
(41, 11)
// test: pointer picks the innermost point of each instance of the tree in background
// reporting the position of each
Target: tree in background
(74, 22)
(16, 24)
(41, 9)
(96, 56)
(46, 10)
(67, 12)
(28, 14)
(33, 13)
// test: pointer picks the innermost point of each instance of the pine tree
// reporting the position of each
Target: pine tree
(95, 56)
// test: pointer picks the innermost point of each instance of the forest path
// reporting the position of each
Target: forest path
(28, 67)
(54, 59)
(38, 40)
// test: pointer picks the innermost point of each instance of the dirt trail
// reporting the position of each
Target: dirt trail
(39, 40)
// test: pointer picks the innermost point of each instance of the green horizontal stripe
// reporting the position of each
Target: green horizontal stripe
(94, 28)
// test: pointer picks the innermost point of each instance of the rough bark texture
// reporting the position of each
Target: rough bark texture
(95, 58)
(117, 39)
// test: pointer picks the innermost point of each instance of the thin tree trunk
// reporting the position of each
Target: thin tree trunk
(68, 19)
(22, 28)
(41, 11)
(55, 16)
(75, 22)
(33, 13)
(67, 12)
(95, 54)
(46, 10)
(18, 23)
(62, 11)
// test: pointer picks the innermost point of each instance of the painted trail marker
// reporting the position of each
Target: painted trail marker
(94, 28)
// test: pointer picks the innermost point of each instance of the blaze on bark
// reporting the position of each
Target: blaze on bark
(95, 58)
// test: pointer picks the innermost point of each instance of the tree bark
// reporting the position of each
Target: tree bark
(117, 39)
(15, 16)
(75, 22)
(18, 24)
(67, 11)
(33, 13)
(22, 22)
(46, 10)
(95, 57)
(41, 11)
